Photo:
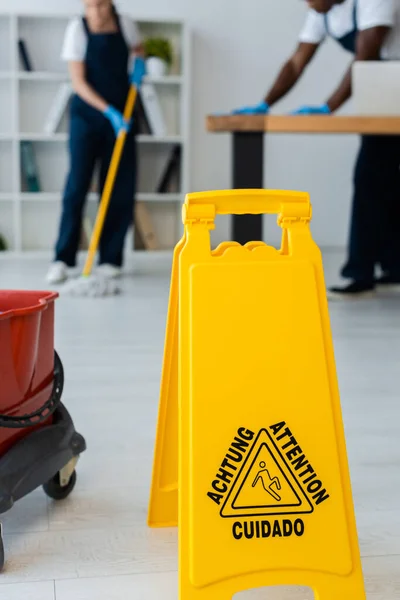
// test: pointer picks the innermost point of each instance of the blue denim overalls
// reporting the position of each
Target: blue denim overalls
(348, 41)
(92, 140)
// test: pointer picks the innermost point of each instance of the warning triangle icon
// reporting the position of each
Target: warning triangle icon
(265, 485)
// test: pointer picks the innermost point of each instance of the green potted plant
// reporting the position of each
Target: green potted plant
(158, 52)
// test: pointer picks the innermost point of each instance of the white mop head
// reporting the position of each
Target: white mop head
(94, 286)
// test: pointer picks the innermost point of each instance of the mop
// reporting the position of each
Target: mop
(95, 285)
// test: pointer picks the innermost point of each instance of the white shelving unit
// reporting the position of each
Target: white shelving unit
(29, 220)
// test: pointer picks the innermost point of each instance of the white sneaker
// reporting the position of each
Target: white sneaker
(57, 273)
(109, 271)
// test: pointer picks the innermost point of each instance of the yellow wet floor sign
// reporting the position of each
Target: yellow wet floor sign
(250, 457)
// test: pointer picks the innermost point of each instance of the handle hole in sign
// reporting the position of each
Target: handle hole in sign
(272, 233)
(276, 593)
(222, 231)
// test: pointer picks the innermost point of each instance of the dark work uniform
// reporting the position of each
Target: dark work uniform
(375, 226)
(92, 141)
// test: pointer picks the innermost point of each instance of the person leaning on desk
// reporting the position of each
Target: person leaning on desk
(370, 30)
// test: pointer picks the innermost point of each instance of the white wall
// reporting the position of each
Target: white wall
(235, 57)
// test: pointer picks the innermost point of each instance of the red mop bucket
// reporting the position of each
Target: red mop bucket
(39, 445)
(27, 398)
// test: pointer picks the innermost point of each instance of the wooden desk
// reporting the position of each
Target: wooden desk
(248, 148)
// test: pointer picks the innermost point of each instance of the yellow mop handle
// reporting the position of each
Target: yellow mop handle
(109, 184)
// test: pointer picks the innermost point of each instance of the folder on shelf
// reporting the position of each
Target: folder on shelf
(29, 167)
(171, 170)
(86, 233)
(145, 235)
(58, 108)
(141, 123)
(24, 55)
(153, 110)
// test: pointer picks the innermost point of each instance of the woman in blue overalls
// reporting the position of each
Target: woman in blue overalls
(361, 27)
(98, 49)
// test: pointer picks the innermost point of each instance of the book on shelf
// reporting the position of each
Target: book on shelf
(3, 243)
(58, 108)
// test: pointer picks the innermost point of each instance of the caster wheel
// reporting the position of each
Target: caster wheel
(54, 489)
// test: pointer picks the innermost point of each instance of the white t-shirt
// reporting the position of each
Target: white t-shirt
(370, 13)
(75, 39)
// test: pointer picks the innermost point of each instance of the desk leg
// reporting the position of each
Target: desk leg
(248, 163)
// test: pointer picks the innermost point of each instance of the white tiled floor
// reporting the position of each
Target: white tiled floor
(96, 545)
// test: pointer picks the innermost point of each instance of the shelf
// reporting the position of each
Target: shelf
(42, 76)
(49, 76)
(166, 80)
(47, 197)
(53, 197)
(159, 197)
(154, 139)
(63, 137)
(29, 219)
(39, 197)
(42, 137)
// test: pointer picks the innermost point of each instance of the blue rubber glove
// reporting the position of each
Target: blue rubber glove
(258, 109)
(312, 110)
(116, 119)
(138, 71)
